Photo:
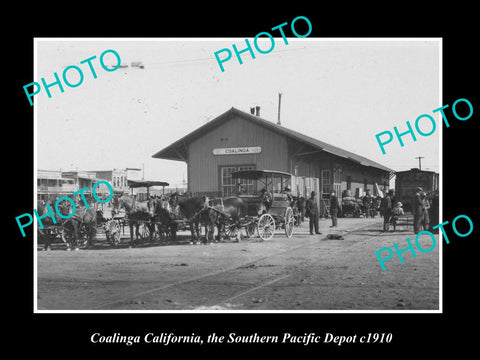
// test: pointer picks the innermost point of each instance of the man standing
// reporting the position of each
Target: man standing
(368, 204)
(386, 207)
(312, 210)
(420, 212)
(334, 208)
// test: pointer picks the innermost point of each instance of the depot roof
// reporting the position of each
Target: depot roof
(176, 151)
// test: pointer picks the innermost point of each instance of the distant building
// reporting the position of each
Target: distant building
(51, 185)
(86, 179)
(118, 178)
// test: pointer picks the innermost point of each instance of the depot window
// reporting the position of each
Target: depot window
(230, 186)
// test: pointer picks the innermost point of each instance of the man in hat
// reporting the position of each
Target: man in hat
(312, 210)
(386, 206)
(335, 208)
(287, 191)
(420, 212)
(368, 202)
(266, 198)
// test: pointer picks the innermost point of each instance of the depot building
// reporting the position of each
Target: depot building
(238, 140)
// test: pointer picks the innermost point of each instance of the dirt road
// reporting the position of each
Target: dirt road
(302, 273)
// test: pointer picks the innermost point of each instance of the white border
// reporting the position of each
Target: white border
(440, 243)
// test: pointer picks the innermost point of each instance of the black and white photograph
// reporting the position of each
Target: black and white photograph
(214, 185)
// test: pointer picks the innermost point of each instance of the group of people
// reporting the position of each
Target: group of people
(311, 207)
(391, 210)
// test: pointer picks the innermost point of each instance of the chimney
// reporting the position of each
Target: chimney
(257, 110)
(252, 110)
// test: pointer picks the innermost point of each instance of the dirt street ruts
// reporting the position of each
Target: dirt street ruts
(302, 273)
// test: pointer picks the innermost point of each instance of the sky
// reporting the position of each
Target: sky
(340, 91)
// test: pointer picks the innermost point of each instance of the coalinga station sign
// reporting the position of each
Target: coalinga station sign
(237, 150)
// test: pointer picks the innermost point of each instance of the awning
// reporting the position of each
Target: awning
(258, 174)
(145, 183)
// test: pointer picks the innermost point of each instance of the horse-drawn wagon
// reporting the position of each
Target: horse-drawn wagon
(78, 230)
(138, 214)
(271, 208)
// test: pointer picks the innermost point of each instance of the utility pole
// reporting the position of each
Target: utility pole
(419, 162)
(279, 102)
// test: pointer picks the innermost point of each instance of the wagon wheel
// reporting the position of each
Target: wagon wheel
(157, 233)
(231, 231)
(114, 238)
(144, 231)
(64, 235)
(289, 222)
(67, 235)
(250, 229)
(266, 226)
(84, 235)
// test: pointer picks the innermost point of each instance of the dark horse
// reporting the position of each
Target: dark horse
(190, 208)
(221, 211)
(159, 210)
(136, 211)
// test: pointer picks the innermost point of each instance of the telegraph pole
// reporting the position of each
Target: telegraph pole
(279, 103)
(419, 162)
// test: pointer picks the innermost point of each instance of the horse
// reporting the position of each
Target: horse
(210, 218)
(160, 212)
(84, 220)
(221, 210)
(136, 211)
(190, 208)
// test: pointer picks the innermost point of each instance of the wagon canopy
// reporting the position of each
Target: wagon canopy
(258, 174)
(146, 183)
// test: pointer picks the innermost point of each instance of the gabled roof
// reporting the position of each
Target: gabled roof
(177, 150)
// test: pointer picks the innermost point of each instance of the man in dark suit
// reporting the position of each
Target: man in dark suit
(368, 202)
(334, 208)
(386, 206)
(420, 212)
(312, 210)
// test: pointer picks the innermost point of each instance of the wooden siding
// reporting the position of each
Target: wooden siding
(203, 166)
(278, 153)
(311, 165)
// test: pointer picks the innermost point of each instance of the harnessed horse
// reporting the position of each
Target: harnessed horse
(190, 208)
(162, 215)
(136, 211)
